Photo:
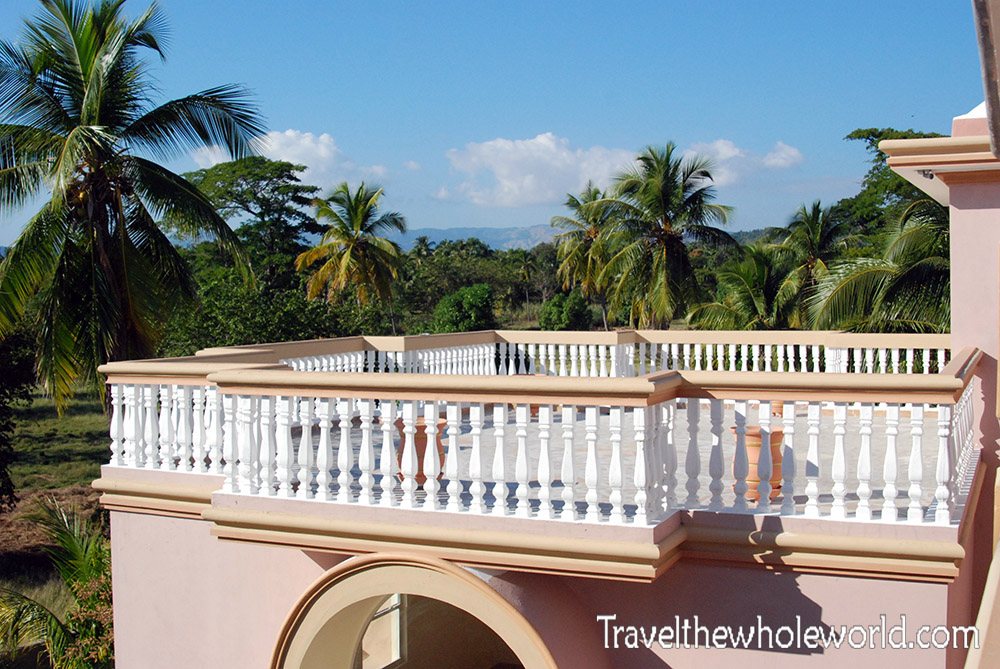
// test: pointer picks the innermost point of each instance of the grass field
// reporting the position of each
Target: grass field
(55, 452)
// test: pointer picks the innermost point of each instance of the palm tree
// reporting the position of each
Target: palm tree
(351, 251)
(82, 558)
(524, 266)
(906, 290)
(760, 293)
(583, 248)
(75, 119)
(661, 202)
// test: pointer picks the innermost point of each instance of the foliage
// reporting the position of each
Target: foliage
(266, 198)
(466, 310)
(74, 121)
(905, 290)
(662, 201)
(82, 557)
(565, 312)
(760, 293)
(230, 313)
(351, 251)
(884, 195)
(15, 383)
(584, 248)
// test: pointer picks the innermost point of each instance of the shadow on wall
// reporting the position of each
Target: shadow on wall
(756, 609)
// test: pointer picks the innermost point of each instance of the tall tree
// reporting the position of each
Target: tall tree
(268, 202)
(352, 253)
(884, 194)
(905, 290)
(75, 120)
(660, 202)
(760, 293)
(583, 247)
(812, 239)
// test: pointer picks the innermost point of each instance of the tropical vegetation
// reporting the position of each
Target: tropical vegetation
(81, 555)
(93, 270)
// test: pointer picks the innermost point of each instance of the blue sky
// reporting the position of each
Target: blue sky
(488, 113)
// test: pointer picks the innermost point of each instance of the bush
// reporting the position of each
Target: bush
(466, 310)
(16, 379)
(565, 312)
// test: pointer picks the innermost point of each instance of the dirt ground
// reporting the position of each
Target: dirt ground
(21, 543)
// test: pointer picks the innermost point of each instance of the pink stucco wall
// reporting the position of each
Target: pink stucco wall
(182, 598)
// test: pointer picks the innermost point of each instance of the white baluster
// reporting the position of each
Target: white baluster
(410, 464)
(151, 431)
(745, 357)
(199, 438)
(864, 511)
(366, 456)
(692, 460)
(602, 354)
(563, 371)
(182, 410)
(268, 448)
(642, 358)
(592, 359)
(641, 476)
(915, 472)
(165, 426)
(305, 461)
(284, 410)
(574, 357)
(669, 453)
(909, 361)
(453, 413)
(765, 465)
(213, 407)
(942, 473)
(248, 455)
(345, 451)
(839, 470)
(545, 477)
(477, 490)
(591, 470)
(530, 360)
(788, 456)
(117, 431)
(132, 427)
(387, 457)
(812, 461)
(568, 471)
(499, 460)
(523, 506)
(890, 466)
(432, 458)
(230, 446)
(715, 467)
(616, 479)
(324, 452)
(741, 463)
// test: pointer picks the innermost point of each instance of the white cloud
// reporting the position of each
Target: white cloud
(782, 156)
(411, 165)
(206, 156)
(325, 163)
(521, 172)
(732, 163)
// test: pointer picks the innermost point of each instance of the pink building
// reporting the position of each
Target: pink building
(592, 501)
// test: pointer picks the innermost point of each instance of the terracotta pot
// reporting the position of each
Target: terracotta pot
(753, 457)
(420, 441)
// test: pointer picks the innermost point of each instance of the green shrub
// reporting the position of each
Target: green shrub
(466, 310)
(565, 312)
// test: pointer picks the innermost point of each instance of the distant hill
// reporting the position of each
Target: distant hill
(748, 236)
(497, 238)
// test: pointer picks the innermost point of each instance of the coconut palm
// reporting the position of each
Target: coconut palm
(82, 557)
(760, 293)
(351, 251)
(906, 290)
(664, 200)
(584, 249)
(76, 121)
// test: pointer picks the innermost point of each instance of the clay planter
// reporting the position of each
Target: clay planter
(420, 441)
(753, 457)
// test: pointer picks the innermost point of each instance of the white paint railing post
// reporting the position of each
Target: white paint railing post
(366, 455)
(863, 511)
(890, 466)
(306, 459)
(812, 460)
(453, 413)
(915, 471)
(117, 426)
(568, 471)
(345, 451)
(591, 470)
(616, 479)
(715, 466)
(839, 469)
(942, 494)
(477, 489)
